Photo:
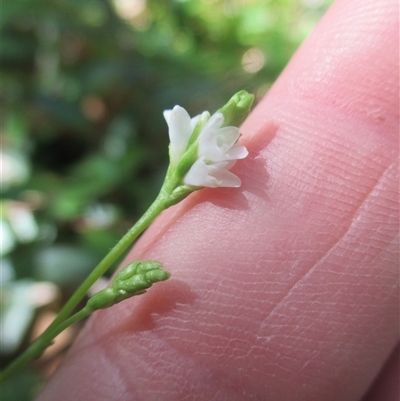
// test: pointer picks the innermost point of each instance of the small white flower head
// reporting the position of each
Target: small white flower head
(205, 147)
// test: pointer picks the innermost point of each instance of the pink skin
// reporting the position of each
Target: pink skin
(287, 288)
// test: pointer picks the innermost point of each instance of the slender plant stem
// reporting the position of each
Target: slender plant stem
(62, 321)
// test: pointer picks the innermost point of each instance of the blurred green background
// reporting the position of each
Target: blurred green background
(84, 142)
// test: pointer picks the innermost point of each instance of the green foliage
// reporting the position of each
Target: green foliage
(23, 387)
(84, 84)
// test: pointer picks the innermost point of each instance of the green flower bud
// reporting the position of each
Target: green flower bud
(134, 279)
(148, 265)
(237, 108)
(157, 275)
(127, 272)
(138, 282)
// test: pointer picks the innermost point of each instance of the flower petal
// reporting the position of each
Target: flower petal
(227, 179)
(214, 144)
(212, 154)
(227, 137)
(212, 175)
(197, 176)
(215, 122)
(167, 115)
(236, 152)
(179, 125)
(224, 165)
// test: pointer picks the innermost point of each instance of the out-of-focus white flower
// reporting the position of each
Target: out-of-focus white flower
(212, 152)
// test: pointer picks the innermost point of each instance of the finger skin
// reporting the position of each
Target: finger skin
(286, 289)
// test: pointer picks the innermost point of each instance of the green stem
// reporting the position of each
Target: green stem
(162, 202)
(41, 343)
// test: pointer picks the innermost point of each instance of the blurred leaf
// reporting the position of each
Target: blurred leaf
(98, 240)
(16, 50)
(22, 387)
(64, 113)
(11, 9)
(17, 313)
(64, 265)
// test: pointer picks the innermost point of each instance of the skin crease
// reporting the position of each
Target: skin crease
(287, 288)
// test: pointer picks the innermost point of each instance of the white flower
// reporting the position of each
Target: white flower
(217, 148)
(180, 128)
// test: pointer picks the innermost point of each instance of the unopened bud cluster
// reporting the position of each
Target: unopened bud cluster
(133, 280)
